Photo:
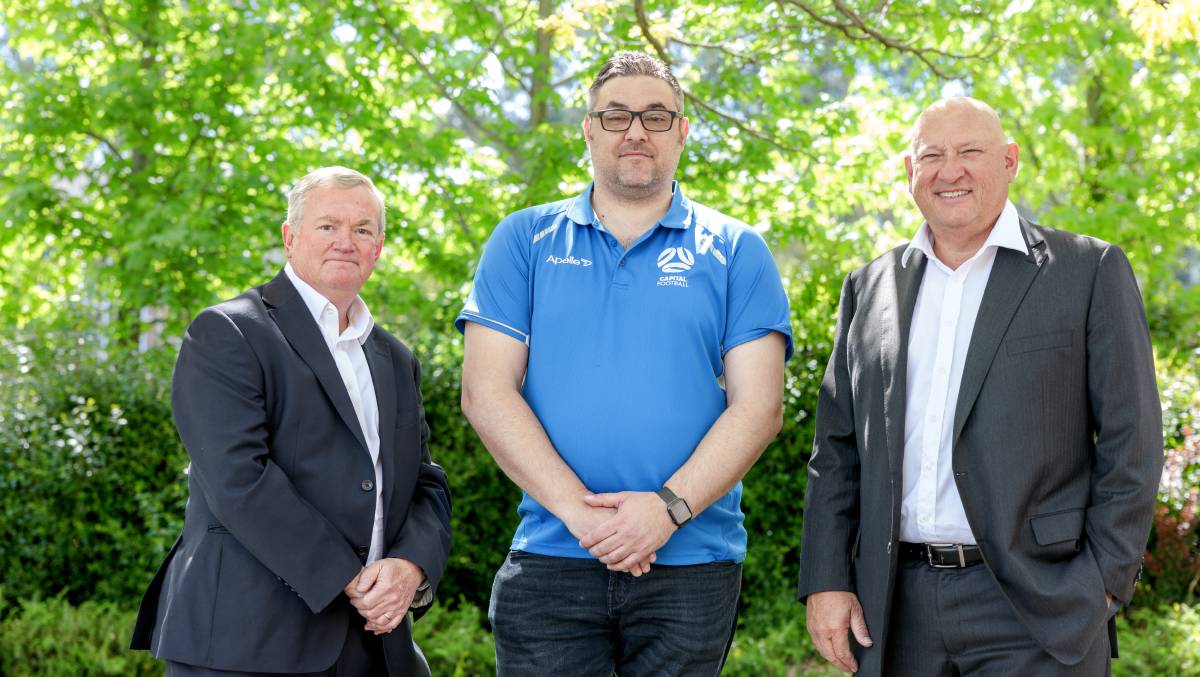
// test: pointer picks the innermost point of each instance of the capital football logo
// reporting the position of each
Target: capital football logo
(675, 260)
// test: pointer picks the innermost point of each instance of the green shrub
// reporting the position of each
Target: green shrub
(455, 641)
(92, 493)
(1172, 561)
(776, 644)
(484, 500)
(773, 496)
(91, 483)
(52, 637)
(1159, 641)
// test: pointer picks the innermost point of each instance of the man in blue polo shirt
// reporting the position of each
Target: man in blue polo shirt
(624, 366)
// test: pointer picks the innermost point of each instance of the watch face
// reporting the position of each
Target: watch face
(679, 511)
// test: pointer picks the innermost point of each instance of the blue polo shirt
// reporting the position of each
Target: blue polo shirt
(626, 349)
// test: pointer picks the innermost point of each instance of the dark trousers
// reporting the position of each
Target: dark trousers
(569, 616)
(362, 656)
(951, 622)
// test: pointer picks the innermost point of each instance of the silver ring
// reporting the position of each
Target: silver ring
(387, 616)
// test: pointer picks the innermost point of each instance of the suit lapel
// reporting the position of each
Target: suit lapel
(383, 376)
(896, 320)
(1011, 275)
(287, 309)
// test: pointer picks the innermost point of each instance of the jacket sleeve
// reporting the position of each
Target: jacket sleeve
(424, 538)
(1125, 410)
(831, 506)
(219, 403)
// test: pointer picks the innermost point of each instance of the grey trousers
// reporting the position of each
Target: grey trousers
(951, 622)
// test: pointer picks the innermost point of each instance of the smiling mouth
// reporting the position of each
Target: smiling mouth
(952, 193)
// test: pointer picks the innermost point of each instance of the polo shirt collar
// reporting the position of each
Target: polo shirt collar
(1006, 233)
(678, 214)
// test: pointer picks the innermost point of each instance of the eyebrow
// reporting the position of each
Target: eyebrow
(974, 143)
(334, 219)
(651, 106)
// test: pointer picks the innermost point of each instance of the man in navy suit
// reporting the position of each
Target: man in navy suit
(316, 519)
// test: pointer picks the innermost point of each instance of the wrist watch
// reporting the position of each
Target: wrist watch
(423, 596)
(677, 508)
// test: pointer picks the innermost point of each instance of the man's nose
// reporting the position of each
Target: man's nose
(343, 239)
(952, 168)
(636, 131)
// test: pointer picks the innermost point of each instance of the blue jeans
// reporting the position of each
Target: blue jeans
(559, 616)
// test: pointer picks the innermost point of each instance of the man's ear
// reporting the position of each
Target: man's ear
(685, 128)
(908, 169)
(288, 236)
(379, 246)
(1010, 160)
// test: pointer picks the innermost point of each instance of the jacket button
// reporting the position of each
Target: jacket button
(362, 550)
(367, 485)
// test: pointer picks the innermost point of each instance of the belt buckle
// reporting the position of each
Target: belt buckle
(962, 559)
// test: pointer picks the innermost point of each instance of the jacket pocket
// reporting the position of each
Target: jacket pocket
(1058, 533)
(1028, 344)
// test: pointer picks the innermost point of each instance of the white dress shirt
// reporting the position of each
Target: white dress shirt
(931, 510)
(347, 350)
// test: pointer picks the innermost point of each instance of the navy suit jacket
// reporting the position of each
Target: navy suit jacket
(282, 496)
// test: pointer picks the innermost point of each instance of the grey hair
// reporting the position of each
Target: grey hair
(626, 64)
(335, 177)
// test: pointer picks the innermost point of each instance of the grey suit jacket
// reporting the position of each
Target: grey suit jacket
(1057, 445)
(282, 496)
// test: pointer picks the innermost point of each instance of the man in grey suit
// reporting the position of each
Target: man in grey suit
(988, 435)
(316, 520)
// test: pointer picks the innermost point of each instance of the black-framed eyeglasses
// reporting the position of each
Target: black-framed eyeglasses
(621, 119)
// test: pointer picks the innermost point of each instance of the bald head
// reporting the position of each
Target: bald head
(965, 113)
(959, 170)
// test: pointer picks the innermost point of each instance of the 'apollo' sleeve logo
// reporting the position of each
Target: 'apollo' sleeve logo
(675, 260)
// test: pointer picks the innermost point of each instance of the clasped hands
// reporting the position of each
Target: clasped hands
(383, 591)
(623, 530)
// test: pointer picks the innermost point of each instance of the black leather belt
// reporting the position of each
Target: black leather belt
(941, 555)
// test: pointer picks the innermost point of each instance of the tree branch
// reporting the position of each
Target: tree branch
(750, 59)
(659, 49)
(1030, 151)
(99, 137)
(539, 81)
(741, 125)
(855, 27)
(490, 47)
(102, 22)
(449, 199)
(467, 114)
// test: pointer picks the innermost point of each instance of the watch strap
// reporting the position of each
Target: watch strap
(423, 596)
(667, 495)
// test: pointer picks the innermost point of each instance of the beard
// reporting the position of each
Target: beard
(635, 180)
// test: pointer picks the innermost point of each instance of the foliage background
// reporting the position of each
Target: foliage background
(147, 147)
